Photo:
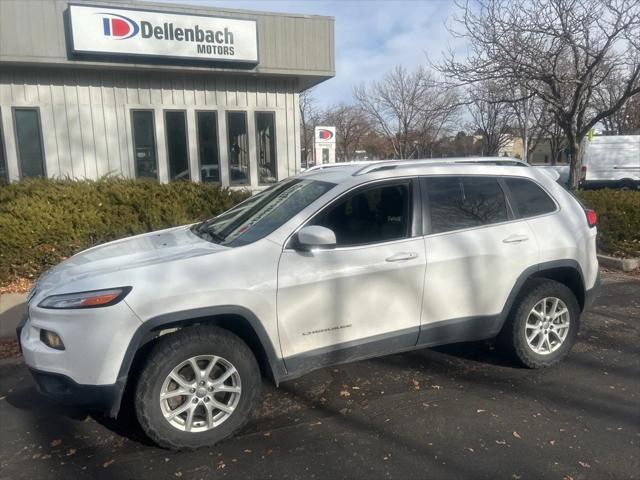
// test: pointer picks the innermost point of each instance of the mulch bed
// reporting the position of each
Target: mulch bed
(9, 348)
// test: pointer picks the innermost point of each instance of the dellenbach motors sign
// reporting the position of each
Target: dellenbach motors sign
(115, 31)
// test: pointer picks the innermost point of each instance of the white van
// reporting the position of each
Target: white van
(611, 162)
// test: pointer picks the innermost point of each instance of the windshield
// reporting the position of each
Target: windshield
(261, 214)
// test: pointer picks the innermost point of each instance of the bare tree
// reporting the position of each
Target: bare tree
(624, 121)
(532, 119)
(309, 117)
(557, 140)
(560, 50)
(351, 128)
(490, 117)
(406, 108)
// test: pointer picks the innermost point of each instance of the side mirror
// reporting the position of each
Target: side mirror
(315, 236)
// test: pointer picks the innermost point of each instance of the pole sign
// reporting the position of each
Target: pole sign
(325, 145)
(117, 31)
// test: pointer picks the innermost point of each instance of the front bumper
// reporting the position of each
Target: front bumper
(87, 372)
(61, 389)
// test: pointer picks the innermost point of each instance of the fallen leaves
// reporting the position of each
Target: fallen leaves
(107, 463)
(56, 443)
(516, 434)
(19, 285)
(584, 464)
(501, 442)
(415, 383)
(345, 393)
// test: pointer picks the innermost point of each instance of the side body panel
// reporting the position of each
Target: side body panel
(566, 235)
(329, 298)
(471, 273)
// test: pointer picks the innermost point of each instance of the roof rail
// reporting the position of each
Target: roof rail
(393, 164)
(325, 166)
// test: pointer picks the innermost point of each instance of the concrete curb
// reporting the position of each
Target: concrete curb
(12, 307)
(624, 264)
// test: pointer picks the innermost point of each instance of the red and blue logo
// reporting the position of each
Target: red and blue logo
(119, 26)
(324, 134)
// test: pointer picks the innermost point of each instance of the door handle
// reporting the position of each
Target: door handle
(402, 257)
(516, 238)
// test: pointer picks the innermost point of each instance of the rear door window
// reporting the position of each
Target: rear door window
(528, 198)
(457, 203)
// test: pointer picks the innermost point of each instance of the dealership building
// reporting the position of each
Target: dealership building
(155, 90)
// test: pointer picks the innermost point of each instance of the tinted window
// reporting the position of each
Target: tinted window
(208, 147)
(266, 145)
(528, 198)
(238, 148)
(144, 144)
(464, 202)
(371, 216)
(176, 133)
(29, 142)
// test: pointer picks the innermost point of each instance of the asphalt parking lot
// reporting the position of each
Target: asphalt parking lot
(462, 411)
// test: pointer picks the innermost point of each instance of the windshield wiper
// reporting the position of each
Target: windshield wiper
(202, 229)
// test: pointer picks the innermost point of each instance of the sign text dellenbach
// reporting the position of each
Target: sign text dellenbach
(144, 32)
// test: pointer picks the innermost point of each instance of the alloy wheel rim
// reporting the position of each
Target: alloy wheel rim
(200, 393)
(547, 326)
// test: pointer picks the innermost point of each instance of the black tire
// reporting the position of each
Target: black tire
(168, 353)
(513, 334)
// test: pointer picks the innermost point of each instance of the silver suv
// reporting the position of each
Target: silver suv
(337, 264)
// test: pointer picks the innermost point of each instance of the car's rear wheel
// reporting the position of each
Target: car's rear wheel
(197, 387)
(543, 325)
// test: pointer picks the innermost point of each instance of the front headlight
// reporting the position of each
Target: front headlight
(92, 299)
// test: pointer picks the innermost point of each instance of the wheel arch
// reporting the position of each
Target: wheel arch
(567, 272)
(569, 276)
(238, 320)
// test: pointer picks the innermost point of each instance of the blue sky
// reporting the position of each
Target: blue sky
(371, 36)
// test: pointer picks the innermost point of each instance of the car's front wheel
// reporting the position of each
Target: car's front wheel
(197, 387)
(543, 325)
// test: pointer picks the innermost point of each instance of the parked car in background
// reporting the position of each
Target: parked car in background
(561, 172)
(343, 262)
(611, 162)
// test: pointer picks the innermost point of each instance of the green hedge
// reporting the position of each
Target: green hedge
(618, 219)
(45, 221)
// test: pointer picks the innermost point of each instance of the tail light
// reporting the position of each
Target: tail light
(592, 218)
(583, 172)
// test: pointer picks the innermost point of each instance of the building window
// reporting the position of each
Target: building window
(266, 146)
(144, 144)
(177, 145)
(29, 142)
(207, 128)
(238, 148)
(4, 174)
